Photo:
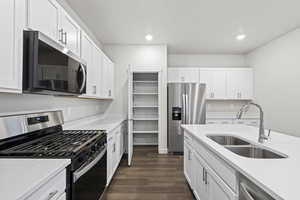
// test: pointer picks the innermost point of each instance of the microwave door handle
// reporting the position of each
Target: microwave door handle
(81, 171)
(84, 78)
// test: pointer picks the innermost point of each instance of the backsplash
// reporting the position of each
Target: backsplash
(73, 108)
(226, 106)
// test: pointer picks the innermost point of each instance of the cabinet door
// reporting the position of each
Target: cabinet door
(70, 33)
(200, 175)
(107, 78)
(240, 84)
(215, 81)
(87, 52)
(11, 46)
(188, 155)
(110, 149)
(183, 75)
(43, 16)
(118, 146)
(218, 189)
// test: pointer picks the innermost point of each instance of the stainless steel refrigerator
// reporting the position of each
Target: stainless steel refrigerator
(186, 105)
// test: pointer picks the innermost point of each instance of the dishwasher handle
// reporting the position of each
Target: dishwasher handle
(245, 193)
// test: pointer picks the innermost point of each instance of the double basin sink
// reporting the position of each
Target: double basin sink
(244, 148)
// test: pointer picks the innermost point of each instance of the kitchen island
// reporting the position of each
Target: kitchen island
(277, 177)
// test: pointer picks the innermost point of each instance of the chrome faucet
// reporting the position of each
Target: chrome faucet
(262, 137)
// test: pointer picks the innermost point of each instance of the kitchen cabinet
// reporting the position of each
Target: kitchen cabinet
(188, 159)
(12, 22)
(222, 83)
(240, 83)
(48, 17)
(209, 177)
(111, 156)
(215, 81)
(44, 16)
(52, 189)
(107, 77)
(183, 75)
(88, 55)
(115, 150)
(200, 183)
(70, 33)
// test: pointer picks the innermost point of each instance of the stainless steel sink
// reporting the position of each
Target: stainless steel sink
(252, 151)
(227, 140)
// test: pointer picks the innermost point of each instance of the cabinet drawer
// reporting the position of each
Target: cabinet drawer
(51, 190)
(219, 166)
(63, 197)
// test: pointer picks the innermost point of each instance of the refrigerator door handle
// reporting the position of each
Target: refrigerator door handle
(187, 110)
(183, 120)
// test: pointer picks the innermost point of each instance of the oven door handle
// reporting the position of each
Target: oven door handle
(81, 171)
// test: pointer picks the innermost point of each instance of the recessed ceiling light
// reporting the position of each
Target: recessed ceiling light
(149, 37)
(241, 37)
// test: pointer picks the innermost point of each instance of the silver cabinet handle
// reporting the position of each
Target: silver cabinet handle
(64, 40)
(114, 147)
(206, 182)
(109, 92)
(94, 89)
(189, 156)
(245, 193)
(51, 195)
(203, 174)
(60, 37)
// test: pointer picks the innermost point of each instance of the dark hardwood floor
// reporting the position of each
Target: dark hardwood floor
(151, 177)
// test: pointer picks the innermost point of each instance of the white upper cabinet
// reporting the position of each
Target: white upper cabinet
(70, 33)
(215, 81)
(44, 16)
(222, 83)
(88, 55)
(183, 75)
(11, 17)
(48, 17)
(240, 84)
(107, 78)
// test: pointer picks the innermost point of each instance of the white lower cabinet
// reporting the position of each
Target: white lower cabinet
(200, 183)
(51, 190)
(188, 162)
(114, 151)
(63, 197)
(206, 183)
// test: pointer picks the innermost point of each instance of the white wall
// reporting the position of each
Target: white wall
(277, 82)
(137, 55)
(206, 60)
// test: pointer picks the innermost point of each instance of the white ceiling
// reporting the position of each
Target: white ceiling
(190, 26)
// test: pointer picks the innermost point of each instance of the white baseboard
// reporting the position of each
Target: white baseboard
(163, 151)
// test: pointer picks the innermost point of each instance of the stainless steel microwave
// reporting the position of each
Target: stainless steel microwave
(49, 68)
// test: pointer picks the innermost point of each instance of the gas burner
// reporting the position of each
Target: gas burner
(64, 143)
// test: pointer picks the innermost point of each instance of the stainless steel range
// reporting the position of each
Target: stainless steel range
(40, 135)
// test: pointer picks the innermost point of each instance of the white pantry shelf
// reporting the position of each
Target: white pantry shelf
(146, 132)
(145, 119)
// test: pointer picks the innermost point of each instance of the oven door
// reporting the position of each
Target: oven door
(89, 181)
(48, 69)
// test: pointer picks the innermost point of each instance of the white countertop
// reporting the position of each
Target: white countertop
(278, 177)
(20, 177)
(97, 122)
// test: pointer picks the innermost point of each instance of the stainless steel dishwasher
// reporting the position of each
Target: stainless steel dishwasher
(250, 191)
